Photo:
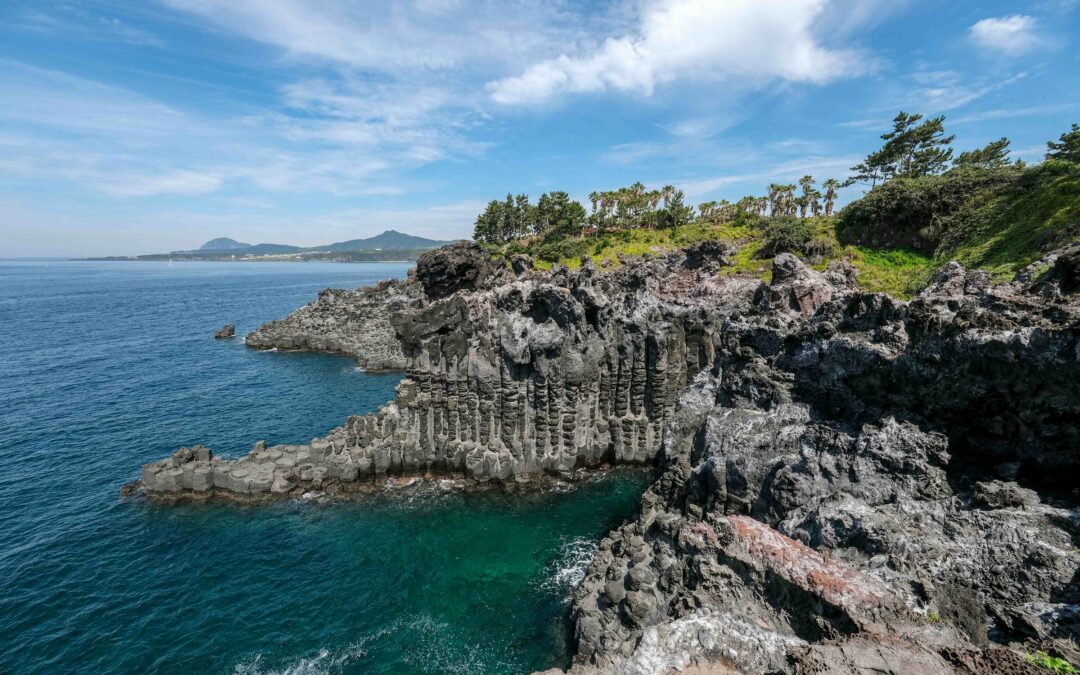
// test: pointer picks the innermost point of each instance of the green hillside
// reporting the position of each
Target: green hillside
(998, 217)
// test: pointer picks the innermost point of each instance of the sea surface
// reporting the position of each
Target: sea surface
(107, 365)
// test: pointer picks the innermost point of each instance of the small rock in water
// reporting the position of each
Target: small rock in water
(227, 331)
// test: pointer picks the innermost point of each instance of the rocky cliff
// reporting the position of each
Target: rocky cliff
(839, 491)
(845, 481)
(349, 322)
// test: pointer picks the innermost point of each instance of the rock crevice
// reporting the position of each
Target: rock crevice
(845, 481)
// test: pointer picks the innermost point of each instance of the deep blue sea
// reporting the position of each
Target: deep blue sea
(108, 365)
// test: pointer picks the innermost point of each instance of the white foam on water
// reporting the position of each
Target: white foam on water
(323, 662)
(568, 570)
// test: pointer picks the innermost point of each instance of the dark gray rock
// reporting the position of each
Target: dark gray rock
(825, 495)
(461, 266)
(356, 323)
(226, 331)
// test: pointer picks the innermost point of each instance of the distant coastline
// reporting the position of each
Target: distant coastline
(256, 259)
(390, 246)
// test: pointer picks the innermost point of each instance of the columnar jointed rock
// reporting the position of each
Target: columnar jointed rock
(830, 483)
(544, 374)
(838, 468)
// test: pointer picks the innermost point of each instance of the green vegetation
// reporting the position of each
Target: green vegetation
(1051, 663)
(984, 210)
(1068, 146)
(786, 234)
(995, 219)
(554, 216)
(911, 149)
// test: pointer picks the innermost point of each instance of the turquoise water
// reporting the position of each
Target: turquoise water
(109, 365)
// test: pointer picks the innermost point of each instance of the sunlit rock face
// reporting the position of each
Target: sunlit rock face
(845, 480)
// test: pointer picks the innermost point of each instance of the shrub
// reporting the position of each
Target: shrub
(916, 213)
(785, 234)
(820, 247)
(555, 251)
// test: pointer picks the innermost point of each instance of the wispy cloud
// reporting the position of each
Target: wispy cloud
(941, 90)
(394, 37)
(1007, 113)
(180, 182)
(69, 21)
(328, 136)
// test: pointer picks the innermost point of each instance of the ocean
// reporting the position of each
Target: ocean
(107, 365)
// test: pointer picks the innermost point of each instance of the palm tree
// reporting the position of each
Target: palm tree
(802, 202)
(831, 185)
(807, 184)
(775, 198)
(707, 211)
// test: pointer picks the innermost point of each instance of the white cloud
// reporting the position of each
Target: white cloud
(1011, 35)
(1008, 113)
(703, 40)
(70, 23)
(332, 135)
(392, 36)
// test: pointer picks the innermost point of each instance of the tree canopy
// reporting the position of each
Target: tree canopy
(1067, 147)
(993, 156)
(515, 217)
(914, 147)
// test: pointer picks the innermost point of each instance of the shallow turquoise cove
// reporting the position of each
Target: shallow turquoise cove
(109, 365)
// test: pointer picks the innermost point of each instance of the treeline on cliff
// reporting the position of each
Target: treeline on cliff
(923, 204)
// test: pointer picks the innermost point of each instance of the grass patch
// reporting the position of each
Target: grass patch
(1051, 663)
(898, 272)
(1014, 229)
(1011, 220)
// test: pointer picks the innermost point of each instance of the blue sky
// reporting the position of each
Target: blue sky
(136, 127)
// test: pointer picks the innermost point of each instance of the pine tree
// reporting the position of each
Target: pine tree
(1068, 147)
(993, 156)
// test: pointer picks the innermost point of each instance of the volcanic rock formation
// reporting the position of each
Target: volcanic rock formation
(846, 482)
(348, 322)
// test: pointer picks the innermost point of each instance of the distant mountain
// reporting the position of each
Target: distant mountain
(223, 244)
(390, 245)
(390, 239)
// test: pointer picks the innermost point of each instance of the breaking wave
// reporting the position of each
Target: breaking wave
(568, 569)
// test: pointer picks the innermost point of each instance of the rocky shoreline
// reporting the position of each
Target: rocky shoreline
(847, 482)
(355, 323)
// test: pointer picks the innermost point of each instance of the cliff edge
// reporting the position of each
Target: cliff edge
(846, 482)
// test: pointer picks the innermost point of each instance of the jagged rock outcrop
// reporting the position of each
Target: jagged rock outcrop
(349, 322)
(461, 266)
(847, 482)
(870, 431)
(225, 332)
(542, 374)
